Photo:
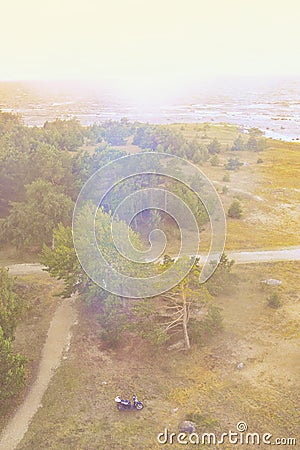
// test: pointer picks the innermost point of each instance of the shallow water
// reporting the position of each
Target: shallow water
(271, 105)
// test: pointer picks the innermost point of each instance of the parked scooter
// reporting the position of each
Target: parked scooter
(125, 405)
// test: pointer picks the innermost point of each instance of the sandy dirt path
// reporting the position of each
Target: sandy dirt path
(25, 269)
(285, 254)
(57, 342)
(259, 256)
(240, 257)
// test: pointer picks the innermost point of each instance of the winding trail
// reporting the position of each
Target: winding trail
(57, 342)
(59, 336)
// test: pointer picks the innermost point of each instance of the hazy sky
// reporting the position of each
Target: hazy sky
(142, 43)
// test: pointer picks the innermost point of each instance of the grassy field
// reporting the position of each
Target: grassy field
(273, 207)
(78, 410)
(269, 192)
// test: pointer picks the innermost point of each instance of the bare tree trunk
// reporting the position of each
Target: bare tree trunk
(185, 320)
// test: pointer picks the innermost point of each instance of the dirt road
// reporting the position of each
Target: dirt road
(285, 254)
(25, 269)
(240, 257)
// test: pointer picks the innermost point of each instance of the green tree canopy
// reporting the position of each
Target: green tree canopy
(12, 366)
(32, 222)
(12, 370)
(10, 305)
(214, 147)
(235, 210)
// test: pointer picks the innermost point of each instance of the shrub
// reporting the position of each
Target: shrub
(235, 210)
(225, 189)
(274, 301)
(112, 320)
(255, 144)
(238, 144)
(12, 370)
(233, 164)
(11, 306)
(214, 147)
(226, 178)
(222, 280)
(214, 161)
(212, 324)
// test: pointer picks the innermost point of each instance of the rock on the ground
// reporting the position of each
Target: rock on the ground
(187, 427)
(272, 282)
(180, 345)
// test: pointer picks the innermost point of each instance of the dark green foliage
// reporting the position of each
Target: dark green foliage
(148, 322)
(226, 178)
(238, 144)
(235, 210)
(12, 370)
(194, 151)
(200, 154)
(12, 366)
(10, 305)
(225, 189)
(103, 155)
(211, 324)
(233, 164)
(214, 147)
(256, 132)
(113, 132)
(192, 200)
(27, 154)
(214, 160)
(151, 136)
(64, 134)
(116, 133)
(9, 122)
(256, 144)
(32, 222)
(222, 279)
(274, 301)
(112, 319)
(62, 261)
